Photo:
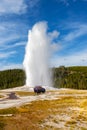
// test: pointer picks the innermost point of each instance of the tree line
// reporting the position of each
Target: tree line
(12, 78)
(63, 77)
(70, 77)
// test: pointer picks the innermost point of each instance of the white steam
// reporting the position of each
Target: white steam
(37, 57)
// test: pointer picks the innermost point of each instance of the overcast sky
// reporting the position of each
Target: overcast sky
(68, 17)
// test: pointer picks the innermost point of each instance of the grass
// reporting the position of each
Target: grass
(21, 93)
(71, 122)
(1, 96)
(68, 112)
(83, 104)
(2, 125)
(13, 110)
(72, 91)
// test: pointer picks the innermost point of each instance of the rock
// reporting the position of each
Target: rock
(12, 96)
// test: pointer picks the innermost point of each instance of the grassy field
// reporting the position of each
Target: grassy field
(68, 112)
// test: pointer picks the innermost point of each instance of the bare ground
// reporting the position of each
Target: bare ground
(60, 109)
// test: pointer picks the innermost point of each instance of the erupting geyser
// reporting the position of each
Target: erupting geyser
(37, 56)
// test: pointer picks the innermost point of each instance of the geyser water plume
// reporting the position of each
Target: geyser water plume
(37, 56)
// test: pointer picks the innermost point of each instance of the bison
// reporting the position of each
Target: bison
(39, 89)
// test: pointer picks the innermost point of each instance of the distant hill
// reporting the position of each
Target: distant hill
(63, 77)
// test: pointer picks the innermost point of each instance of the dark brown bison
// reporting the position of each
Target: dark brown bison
(39, 89)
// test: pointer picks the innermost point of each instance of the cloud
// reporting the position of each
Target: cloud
(76, 59)
(12, 6)
(73, 45)
(76, 30)
(9, 41)
(65, 2)
(11, 37)
(33, 3)
(4, 55)
(55, 47)
(12, 46)
(17, 44)
(54, 34)
(16, 6)
(7, 66)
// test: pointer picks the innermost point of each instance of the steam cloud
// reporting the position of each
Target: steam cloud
(37, 55)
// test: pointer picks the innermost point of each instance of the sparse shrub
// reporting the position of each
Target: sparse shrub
(2, 125)
(8, 111)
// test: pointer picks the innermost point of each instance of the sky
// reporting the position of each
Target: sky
(67, 17)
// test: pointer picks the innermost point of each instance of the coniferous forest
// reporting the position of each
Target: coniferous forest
(12, 78)
(63, 77)
(70, 77)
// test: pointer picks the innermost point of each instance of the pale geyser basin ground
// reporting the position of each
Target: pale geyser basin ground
(6, 103)
(51, 94)
(64, 109)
